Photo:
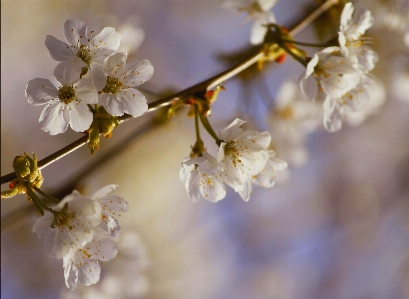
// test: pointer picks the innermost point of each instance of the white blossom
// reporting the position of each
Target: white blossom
(82, 48)
(258, 11)
(116, 80)
(291, 119)
(81, 265)
(351, 38)
(330, 73)
(354, 101)
(244, 155)
(204, 178)
(65, 105)
(111, 208)
(69, 226)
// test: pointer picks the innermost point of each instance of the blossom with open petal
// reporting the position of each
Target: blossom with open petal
(66, 104)
(111, 208)
(116, 80)
(204, 178)
(69, 226)
(243, 154)
(351, 38)
(258, 11)
(83, 48)
(330, 73)
(81, 265)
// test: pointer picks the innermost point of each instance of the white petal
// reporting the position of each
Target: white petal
(67, 73)
(57, 243)
(71, 275)
(104, 191)
(40, 91)
(103, 250)
(136, 72)
(134, 102)
(258, 32)
(111, 203)
(82, 206)
(80, 117)
(98, 77)
(192, 186)
(266, 4)
(89, 272)
(246, 191)
(107, 42)
(232, 130)
(74, 31)
(43, 223)
(114, 63)
(111, 104)
(86, 92)
(59, 50)
(53, 119)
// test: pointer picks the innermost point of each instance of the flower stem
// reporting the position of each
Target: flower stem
(35, 199)
(293, 55)
(197, 128)
(318, 45)
(46, 195)
(209, 129)
(204, 85)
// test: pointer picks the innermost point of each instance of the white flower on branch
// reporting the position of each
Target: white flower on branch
(65, 105)
(351, 38)
(111, 207)
(244, 156)
(258, 11)
(116, 80)
(82, 266)
(330, 73)
(83, 48)
(204, 178)
(69, 225)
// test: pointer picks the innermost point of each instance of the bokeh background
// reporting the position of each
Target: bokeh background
(338, 227)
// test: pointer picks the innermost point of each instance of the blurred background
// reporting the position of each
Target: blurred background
(335, 227)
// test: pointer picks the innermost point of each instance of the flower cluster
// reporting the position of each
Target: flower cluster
(243, 159)
(339, 75)
(258, 11)
(91, 72)
(79, 230)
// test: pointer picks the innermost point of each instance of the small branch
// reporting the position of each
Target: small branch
(200, 87)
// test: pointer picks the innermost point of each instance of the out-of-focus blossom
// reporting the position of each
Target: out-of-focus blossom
(116, 80)
(83, 48)
(65, 105)
(351, 38)
(291, 119)
(204, 178)
(258, 11)
(132, 35)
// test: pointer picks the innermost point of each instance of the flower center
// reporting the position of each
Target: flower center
(85, 54)
(114, 86)
(231, 151)
(66, 94)
(62, 219)
(285, 113)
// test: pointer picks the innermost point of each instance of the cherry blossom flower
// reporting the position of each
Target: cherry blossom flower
(204, 178)
(65, 105)
(244, 155)
(81, 265)
(69, 226)
(83, 48)
(116, 80)
(354, 101)
(111, 207)
(258, 11)
(351, 38)
(267, 177)
(291, 119)
(330, 73)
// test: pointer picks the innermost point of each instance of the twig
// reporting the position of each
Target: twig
(200, 87)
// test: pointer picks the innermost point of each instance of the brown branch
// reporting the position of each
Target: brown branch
(200, 87)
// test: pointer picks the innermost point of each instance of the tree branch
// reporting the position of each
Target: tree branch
(200, 87)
